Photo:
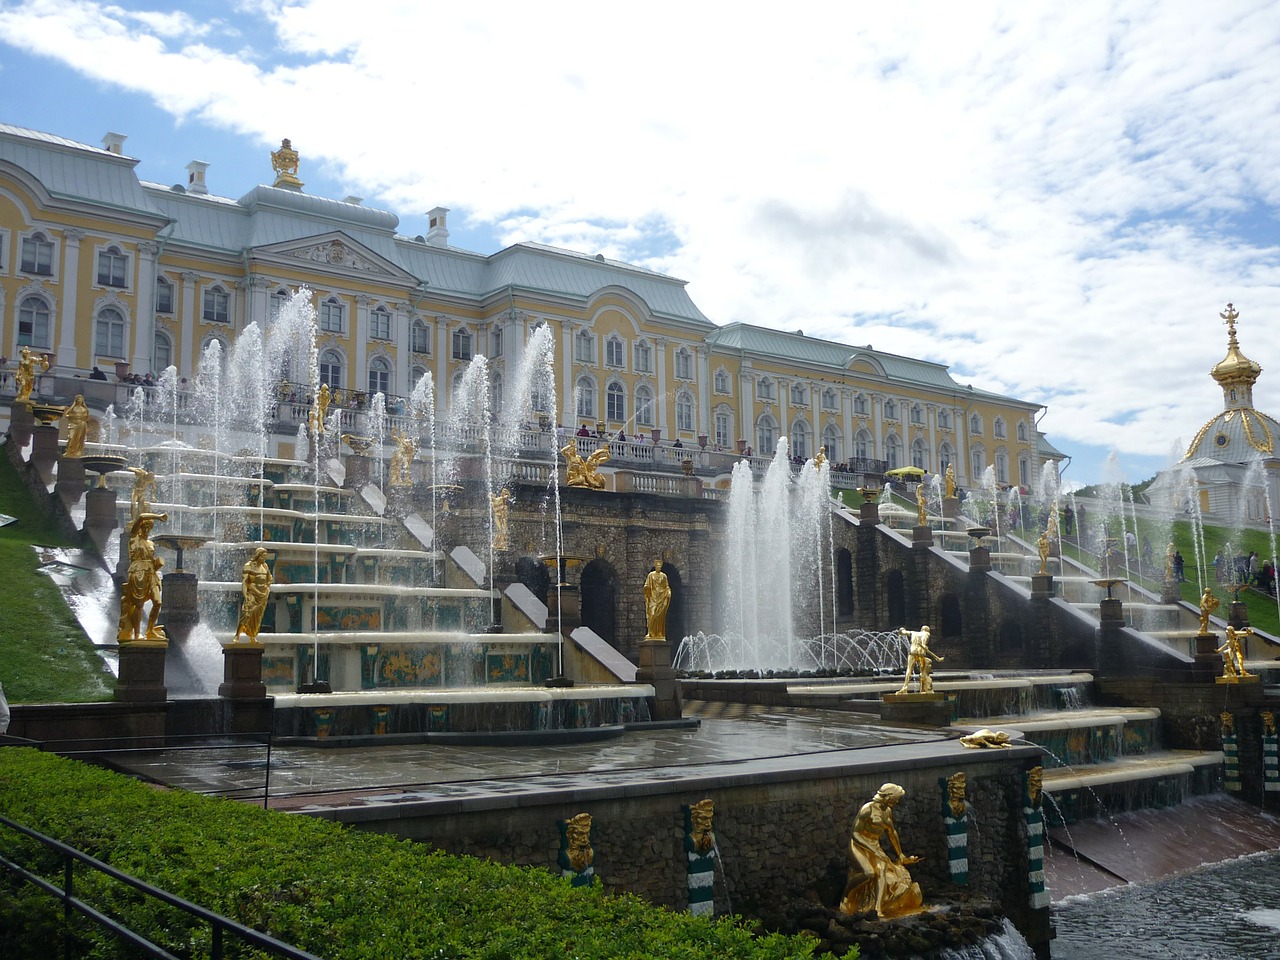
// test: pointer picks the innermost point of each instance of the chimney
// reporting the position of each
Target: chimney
(438, 232)
(195, 177)
(354, 200)
(114, 142)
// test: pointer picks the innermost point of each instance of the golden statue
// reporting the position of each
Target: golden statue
(401, 460)
(139, 502)
(956, 786)
(501, 503)
(1035, 785)
(1042, 545)
(986, 737)
(1208, 604)
(700, 833)
(1233, 654)
(320, 410)
(950, 481)
(142, 583)
(77, 417)
(1227, 722)
(1268, 723)
(285, 163)
(820, 458)
(580, 472)
(876, 881)
(256, 588)
(922, 512)
(578, 836)
(657, 600)
(25, 378)
(919, 658)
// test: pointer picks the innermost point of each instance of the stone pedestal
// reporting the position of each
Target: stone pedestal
(44, 450)
(20, 423)
(358, 470)
(926, 708)
(870, 511)
(1238, 614)
(71, 479)
(979, 558)
(1207, 645)
(142, 672)
(655, 669)
(921, 536)
(242, 672)
(950, 507)
(1244, 681)
(178, 611)
(564, 609)
(100, 515)
(1042, 584)
(1169, 591)
(1111, 610)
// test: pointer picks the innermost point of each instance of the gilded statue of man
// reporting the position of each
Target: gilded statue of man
(580, 472)
(501, 508)
(919, 658)
(1043, 546)
(25, 378)
(144, 483)
(142, 583)
(879, 880)
(1208, 604)
(657, 600)
(320, 411)
(402, 459)
(255, 588)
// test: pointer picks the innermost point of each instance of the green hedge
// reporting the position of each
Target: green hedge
(333, 891)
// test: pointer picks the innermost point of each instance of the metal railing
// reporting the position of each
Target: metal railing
(220, 927)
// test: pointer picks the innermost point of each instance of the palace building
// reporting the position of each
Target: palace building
(101, 269)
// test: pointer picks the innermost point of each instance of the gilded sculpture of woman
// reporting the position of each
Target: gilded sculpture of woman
(922, 508)
(25, 378)
(142, 583)
(657, 600)
(256, 588)
(501, 511)
(951, 481)
(77, 417)
(320, 411)
(876, 881)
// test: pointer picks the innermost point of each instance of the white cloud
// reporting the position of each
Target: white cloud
(1040, 197)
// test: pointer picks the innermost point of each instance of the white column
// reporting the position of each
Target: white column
(784, 428)
(70, 274)
(257, 310)
(815, 408)
(188, 347)
(401, 335)
(746, 422)
(360, 333)
(704, 391)
(442, 368)
(931, 419)
(660, 414)
(877, 409)
(566, 373)
(846, 412)
(144, 322)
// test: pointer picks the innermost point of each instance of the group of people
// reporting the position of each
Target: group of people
(1245, 569)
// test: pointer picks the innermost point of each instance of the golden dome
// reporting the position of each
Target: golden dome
(1235, 368)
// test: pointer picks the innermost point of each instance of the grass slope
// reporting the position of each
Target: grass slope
(44, 655)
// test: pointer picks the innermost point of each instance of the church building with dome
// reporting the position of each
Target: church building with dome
(1231, 465)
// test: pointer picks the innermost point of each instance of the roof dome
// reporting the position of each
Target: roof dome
(1235, 368)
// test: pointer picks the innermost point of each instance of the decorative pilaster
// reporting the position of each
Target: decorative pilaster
(187, 344)
(67, 360)
(144, 327)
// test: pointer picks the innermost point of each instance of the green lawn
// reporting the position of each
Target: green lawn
(44, 655)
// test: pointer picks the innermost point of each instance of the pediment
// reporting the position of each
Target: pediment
(336, 252)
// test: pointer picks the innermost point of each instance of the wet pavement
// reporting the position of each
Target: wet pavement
(730, 738)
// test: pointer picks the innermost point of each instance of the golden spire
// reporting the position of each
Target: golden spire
(285, 163)
(1235, 369)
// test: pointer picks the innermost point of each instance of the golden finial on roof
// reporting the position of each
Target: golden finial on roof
(1235, 368)
(285, 163)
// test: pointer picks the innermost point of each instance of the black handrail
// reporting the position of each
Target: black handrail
(218, 923)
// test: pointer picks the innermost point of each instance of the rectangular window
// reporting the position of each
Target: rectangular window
(164, 296)
(644, 358)
(37, 255)
(331, 316)
(421, 338)
(584, 348)
(112, 265)
(461, 345)
(216, 305)
(616, 402)
(684, 413)
(722, 430)
(496, 343)
(684, 365)
(613, 353)
(380, 326)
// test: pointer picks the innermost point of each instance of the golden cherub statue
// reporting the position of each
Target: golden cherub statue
(25, 378)
(256, 589)
(142, 583)
(406, 447)
(919, 658)
(877, 881)
(580, 472)
(820, 458)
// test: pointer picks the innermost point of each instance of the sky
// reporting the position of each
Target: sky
(1057, 201)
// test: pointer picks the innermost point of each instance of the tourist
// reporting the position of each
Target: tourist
(1068, 521)
(677, 445)
(1179, 567)
(97, 374)
(583, 431)
(621, 437)
(1252, 568)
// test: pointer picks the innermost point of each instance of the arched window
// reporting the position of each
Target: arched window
(863, 445)
(379, 376)
(217, 305)
(946, 457)
(892, 452)
(585, 398)
(644, 407)
(162, 352)
(977, 462)
(722, 381)
(917, 413)
(1024, 472)
(833, 443)
(331, 369)
(108, 336)
(331, 315)
(616, 402)
(997, 428)
(419, 337)
(379, 324)
(539, 401)
(113, 267)
(33, 323)
(723, 428)
(975, 425)
(584, 346)
(644, 357)
(684, 411)
(800, 440)
(766, 435)
(919, 455)
(416, 375)
(1022, 432)
(1002, 467)
(276, 302)
(164, 295)
(495, 395)
(684, 364)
